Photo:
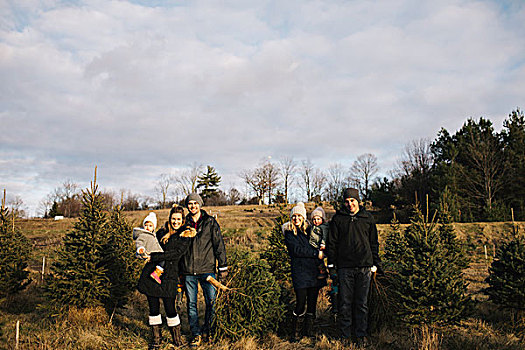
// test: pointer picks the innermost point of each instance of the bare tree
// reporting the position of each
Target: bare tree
(287, 168)
(129, 200)
(306, 170)
(363, 170)
(417, 158)
(254, 179)
(16, 207)
(189, 177)
(485, 174)
(68, 196)
(162, 187)
(233, 196)
(45, 204)
(317, 184)
(414, 169)
(337, 180)
(270, 174)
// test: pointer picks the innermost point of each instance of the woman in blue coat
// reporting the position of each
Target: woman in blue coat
(304, 262)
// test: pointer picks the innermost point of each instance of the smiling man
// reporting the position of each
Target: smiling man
(353, 251)
(206, 251)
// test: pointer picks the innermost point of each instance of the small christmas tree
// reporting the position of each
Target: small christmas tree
(395, 245)
(79, 277)
(119, 259)
(276, 253)
(507, 277)
(15, 249)
(252, 307)
(429, 285)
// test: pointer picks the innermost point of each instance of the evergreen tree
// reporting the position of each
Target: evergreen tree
(252, 307)
(119, 259)
(79, 277)
(429, 287)
(276, 253)
(507, 277)
(209, 182)
(395, 245)
(54, 211)
(513, 135)
(15, 249)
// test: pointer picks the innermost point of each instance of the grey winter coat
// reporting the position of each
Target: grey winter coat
(146, 239)
(319, 235)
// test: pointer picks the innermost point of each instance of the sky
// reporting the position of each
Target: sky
(141, 88)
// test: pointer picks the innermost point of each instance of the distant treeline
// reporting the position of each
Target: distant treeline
(476, 174)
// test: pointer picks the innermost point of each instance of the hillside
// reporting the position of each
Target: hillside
(487, 328)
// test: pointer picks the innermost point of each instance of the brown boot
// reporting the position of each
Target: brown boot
(155, 337)
(175, 335)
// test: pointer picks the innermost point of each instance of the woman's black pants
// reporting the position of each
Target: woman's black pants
(169, 306)
(306, 300)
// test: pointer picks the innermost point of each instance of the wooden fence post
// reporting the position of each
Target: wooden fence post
(43, 267)
(17, 336)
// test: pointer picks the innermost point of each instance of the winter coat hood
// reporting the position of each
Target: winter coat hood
(137, 231)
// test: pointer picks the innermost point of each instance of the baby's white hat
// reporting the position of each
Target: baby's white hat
(151, 218)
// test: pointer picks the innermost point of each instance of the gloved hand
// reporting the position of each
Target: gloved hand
(222, 275)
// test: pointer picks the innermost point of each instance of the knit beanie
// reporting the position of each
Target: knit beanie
(351, 193)
(319, 212)
(151, 218)
(194, 197)
(299, 209)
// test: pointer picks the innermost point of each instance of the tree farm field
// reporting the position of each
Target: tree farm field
(487, 327)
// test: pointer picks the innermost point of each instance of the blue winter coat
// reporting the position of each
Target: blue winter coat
(304, 259)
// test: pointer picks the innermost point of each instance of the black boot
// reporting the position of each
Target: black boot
(175, 335)
(155, 337)
(296, 328)
(308, 325)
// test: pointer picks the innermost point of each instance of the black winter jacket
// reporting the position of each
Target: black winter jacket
(206, 248)
(304, 259)
(174, 249)
(352, 240)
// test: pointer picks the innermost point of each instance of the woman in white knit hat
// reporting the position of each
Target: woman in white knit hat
(304, 263)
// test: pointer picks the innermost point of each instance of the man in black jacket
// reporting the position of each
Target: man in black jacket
(206, 250)
(353, 251)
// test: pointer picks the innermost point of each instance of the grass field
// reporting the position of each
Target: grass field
(487, 327)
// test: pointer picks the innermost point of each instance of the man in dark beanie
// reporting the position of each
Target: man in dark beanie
(353, 254)
(206, 249)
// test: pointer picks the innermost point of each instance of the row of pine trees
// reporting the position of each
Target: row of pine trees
(423, 284)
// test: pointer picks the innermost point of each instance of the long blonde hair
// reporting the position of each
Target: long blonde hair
(303, 226)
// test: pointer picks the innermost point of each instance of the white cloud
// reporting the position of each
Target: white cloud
(126, 86)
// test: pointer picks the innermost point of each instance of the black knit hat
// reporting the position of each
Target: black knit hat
(351, 193)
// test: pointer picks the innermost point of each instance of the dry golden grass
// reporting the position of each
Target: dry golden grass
(487, 328)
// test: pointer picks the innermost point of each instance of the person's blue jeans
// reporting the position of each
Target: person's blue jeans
(354, 284)
(210, 293)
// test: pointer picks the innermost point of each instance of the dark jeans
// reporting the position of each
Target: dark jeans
(306, 297)
(354, 284)
(210, 293)
(169, 306)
